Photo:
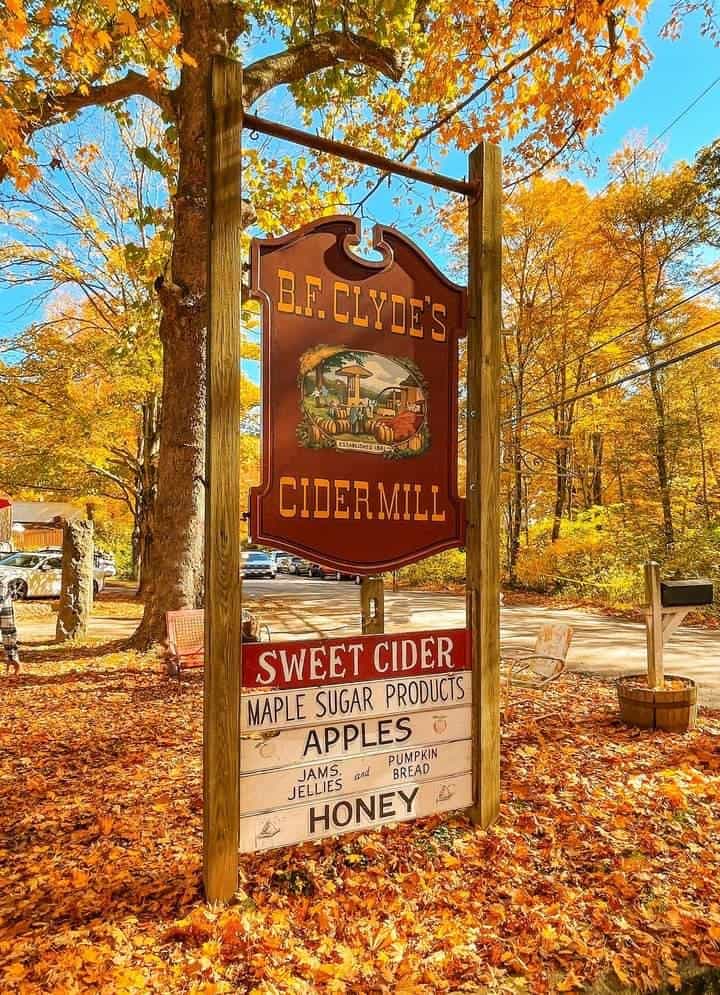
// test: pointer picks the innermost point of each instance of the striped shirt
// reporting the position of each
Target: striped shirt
(7, 625)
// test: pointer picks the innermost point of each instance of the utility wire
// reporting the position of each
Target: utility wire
(626, 379)
(637, 359)
(614, 338)
(656, 139)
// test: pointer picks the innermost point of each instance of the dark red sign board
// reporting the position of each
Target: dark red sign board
(360, 382)
(350, 659)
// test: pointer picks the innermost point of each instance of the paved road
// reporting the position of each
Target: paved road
(601, 645)
(296, 607)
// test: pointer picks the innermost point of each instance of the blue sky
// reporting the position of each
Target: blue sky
(679, 71)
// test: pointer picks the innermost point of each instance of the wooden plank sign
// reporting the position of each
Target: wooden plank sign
(312, 706)
(315, 820)
(304, 663)
(360, 398)
(332, 778)
(354, 732)
(301, 744)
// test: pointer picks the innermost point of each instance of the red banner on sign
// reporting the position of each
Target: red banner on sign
(318, 662)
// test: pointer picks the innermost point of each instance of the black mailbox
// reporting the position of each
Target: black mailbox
(683, 593)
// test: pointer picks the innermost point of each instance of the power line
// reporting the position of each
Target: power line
(685, 111)
(656, 139)
(614, 338)
(644, 355)
(626, 379)
(635, 359)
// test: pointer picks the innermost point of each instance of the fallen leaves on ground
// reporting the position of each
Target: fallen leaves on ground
(605, 860)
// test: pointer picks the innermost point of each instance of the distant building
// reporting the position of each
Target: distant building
(38, 523)
(5, 519)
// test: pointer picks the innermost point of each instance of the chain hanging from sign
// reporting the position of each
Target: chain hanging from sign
(360, 398)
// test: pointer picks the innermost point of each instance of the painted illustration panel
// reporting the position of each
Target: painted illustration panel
(356, 401)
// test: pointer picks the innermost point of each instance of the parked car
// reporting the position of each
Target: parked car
(258, 564)
(300, 567)
(38, 575)
(317, 570)
(281, 560)
(329, 573)
(101, 561)
(283, 563)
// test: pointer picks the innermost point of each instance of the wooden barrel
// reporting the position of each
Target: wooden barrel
(673, 709)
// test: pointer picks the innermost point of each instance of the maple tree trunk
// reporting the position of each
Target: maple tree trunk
(561, 470)
(177, 537)
(596, 495)
(76, 590)
(146, 492)
(516, 504)
(661, 458)
(703, 460)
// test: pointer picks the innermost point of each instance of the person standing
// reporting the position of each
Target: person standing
(8, 629)
(355, 419)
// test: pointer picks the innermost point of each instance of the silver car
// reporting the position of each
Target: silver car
(258, 564)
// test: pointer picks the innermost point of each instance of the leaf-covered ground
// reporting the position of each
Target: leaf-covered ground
(605, 862)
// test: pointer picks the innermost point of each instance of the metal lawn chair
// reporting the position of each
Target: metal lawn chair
(534, 669)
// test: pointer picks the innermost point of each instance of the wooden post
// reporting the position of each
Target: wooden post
(654, 625)
(372, 599)
(223, 590)
(483, 474)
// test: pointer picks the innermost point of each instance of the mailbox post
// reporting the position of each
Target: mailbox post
(657, 703)
(668, 602)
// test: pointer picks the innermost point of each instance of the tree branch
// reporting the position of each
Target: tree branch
(133, 84)
(546, 162)
(445, 118)
(52, 108)
(324, 50)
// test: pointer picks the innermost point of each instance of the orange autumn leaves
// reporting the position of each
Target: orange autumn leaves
(604, 864)
(547, 72)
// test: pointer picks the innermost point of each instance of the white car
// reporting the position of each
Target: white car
(102, 561)
(38, 575)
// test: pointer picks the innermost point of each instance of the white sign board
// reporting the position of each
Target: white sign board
(332, 778)
(314, 820)
(368, 699)
(304, 744)
(341, 735)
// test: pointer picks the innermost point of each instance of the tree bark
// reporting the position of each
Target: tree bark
(76, 594)
(560, 479)
(177, 542)
(146, 492)
(596, 488)
(703, 460)
(661, 457)
(178, 527)
(516, 506)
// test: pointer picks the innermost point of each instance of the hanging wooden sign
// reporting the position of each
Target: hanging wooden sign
(360, 385)
(391, 742)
